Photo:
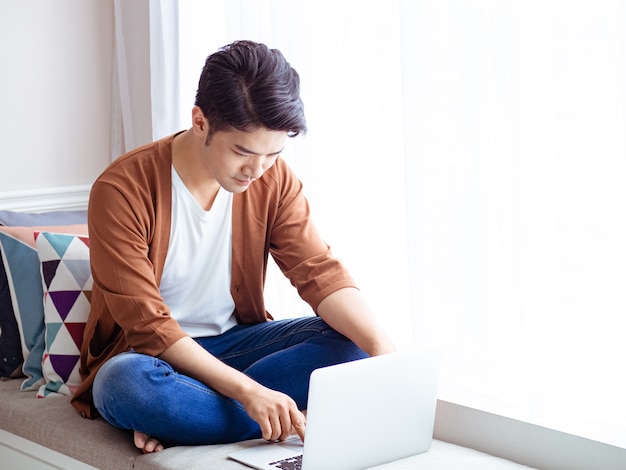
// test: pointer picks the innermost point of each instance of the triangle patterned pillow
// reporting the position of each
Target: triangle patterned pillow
(25, 295)
(67, 282)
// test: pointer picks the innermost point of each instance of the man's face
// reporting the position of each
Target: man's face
(236, 158)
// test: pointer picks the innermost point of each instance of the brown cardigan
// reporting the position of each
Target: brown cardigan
(129, 228)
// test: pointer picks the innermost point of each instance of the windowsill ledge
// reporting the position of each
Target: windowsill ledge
(521, 442)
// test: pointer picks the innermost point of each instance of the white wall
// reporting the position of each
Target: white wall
(55, 92)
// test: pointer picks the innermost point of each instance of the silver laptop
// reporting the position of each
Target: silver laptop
(360, 414)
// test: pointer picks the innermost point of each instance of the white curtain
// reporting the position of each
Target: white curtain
(467, 161)
(145, 87)
(517, 206)
(165, 88)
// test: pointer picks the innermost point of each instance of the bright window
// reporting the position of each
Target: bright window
(467, 161)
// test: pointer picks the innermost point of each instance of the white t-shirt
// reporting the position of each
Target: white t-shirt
(197, 272)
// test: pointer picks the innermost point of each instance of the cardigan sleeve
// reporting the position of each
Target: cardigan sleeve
(126, 289)
(298, 249)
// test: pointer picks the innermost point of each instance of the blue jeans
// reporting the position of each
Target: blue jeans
(144, 393)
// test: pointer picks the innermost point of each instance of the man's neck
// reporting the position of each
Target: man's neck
(192, 172)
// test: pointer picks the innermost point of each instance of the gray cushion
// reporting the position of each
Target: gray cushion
(53, 422)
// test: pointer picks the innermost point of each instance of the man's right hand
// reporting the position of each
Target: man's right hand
(276, 413)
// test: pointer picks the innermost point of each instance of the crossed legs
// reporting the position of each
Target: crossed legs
(145, 394)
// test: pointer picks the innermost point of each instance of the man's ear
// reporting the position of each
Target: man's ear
(199, 123)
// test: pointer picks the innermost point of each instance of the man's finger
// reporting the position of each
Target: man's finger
(298, 424)
(266, 430)
(276, 430)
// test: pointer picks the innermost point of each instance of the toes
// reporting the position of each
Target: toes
(140, 439)
(146, 443)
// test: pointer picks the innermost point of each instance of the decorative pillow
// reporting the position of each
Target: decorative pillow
(11, 358)
(67, 282)
(25, 219)
(21, 264)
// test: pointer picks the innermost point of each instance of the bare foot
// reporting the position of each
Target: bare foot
(146, 443)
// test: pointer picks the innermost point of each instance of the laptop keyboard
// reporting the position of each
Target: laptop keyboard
(290, 463)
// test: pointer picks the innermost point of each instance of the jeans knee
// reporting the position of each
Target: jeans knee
(118, 368)
(120, 376)
(344, 348)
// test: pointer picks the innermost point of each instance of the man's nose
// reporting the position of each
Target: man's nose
(254, 168)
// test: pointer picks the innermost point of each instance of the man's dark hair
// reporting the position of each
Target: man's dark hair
(248, 86)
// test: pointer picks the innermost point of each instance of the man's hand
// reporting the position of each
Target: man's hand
(277, 414)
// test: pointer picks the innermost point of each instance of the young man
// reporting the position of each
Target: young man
(178, 346)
